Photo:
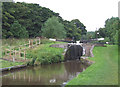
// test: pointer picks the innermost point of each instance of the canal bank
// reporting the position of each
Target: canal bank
(68, 73)
(44, 54)
(103, 72)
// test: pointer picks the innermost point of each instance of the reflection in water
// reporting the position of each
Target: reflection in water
(54, 74)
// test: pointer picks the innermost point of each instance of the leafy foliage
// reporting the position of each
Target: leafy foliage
(33, 17)
(53, 28)
(74, 29)
(111, 30)
(45, 54)
(18, 31)
(88, 36)
(30, 16)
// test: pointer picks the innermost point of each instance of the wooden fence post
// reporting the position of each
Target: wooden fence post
(19, 52)
(24, 55)
(32, 43)
(13, 55)
(10, 52)
(5, 52)
(36, 42)
(29, 43)
(39, 40)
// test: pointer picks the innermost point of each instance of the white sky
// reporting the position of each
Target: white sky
(92, 13)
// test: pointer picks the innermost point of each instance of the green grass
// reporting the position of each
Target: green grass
(44, 54)
(9, 64)
(15, 43)
(104, 71)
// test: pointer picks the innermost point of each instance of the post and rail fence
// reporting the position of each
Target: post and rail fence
(19, 52)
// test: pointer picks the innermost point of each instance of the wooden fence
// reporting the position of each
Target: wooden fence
(19, 51)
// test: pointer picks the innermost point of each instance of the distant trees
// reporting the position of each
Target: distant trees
(111, 30)
(79, 26)
(88, 36)
(75, 29)
(53, 28)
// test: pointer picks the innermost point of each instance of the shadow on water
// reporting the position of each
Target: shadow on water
(53, 74)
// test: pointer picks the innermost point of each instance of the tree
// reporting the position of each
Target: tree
(102, 32)
(111, 30)
(31, 16)
(17, 31)
(53, 28)
(115, 37)
(80, 26)
(75, 29)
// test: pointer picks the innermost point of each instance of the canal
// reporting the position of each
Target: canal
(53, 74)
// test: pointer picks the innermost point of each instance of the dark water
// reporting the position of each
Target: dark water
(53, 74)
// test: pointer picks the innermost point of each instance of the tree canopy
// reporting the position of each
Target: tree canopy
(74, 28)
(111, 30)
(18, 31)
(53, 28)
(30, 16)
(33, 17)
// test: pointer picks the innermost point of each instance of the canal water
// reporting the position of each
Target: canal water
(53, 74)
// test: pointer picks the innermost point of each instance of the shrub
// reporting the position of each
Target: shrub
(45, 55)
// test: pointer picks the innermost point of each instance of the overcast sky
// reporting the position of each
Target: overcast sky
(92, 13)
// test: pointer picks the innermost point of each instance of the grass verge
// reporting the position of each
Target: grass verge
(44, 54)
(9, 64)
(104, 71)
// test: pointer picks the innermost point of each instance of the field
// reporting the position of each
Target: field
(104, 71)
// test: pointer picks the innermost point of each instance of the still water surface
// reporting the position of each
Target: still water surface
(53, 74)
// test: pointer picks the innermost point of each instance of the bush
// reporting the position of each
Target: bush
(45, 55)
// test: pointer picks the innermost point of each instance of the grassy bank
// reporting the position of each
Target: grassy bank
(44, 54)
(9, 64)
(104, 71)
